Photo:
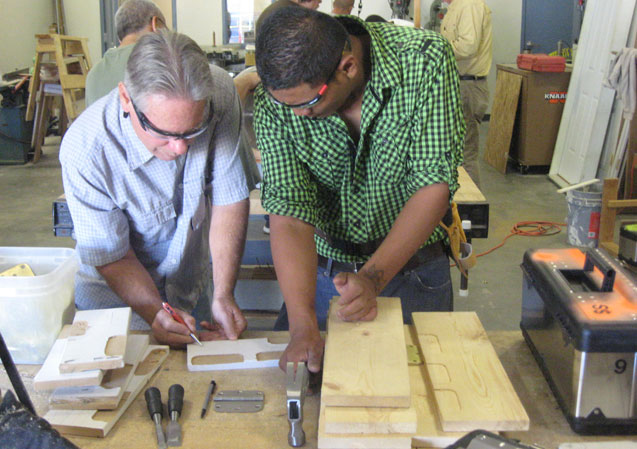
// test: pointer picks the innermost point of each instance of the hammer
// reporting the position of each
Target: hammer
(297, 382)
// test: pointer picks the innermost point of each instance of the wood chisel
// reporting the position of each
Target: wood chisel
(156, 411)
(175, 404)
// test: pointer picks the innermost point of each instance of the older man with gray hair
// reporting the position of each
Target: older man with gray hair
(133, 19)
(155, 186)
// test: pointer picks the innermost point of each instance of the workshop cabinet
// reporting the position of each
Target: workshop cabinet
(538, 115)
(15, 132)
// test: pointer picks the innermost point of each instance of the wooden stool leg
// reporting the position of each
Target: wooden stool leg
(47, 103)
(64, 120)
(37, 98)
(34, 87)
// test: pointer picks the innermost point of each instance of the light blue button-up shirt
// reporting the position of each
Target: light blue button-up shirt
(121, 196)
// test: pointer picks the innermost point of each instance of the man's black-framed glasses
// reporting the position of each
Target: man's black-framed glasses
(167, 135)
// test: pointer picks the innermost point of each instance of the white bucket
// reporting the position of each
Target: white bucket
(584, 209)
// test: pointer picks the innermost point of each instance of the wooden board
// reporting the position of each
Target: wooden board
(468, 192)
(426, 434)
(384, 420)
(49, 376)
(359, 441)
(108, 394)
(97, 340)
(503, 111)
(470, 385)
(234, 354)
(94, 423)
(429, 432)
(365, 363)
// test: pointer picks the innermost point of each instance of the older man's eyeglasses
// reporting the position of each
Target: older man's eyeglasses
(151, 129)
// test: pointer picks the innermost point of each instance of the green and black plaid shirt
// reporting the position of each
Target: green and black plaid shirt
(412, 133)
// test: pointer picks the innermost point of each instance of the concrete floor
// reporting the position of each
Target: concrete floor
(495, 286)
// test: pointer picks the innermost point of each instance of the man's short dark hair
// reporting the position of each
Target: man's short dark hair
(298, 45)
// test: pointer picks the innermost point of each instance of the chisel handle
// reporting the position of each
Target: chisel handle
(175, 398)
(153, 402)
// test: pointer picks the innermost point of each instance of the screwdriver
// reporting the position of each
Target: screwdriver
(156, 411)
(178, 318)
(175, 404)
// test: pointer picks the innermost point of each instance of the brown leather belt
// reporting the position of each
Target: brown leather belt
(472, 78)
(422, 256)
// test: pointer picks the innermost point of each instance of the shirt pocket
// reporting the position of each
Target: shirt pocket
(157, 225)
(329, 166)
(449, 29)
(197, 196)
(389, 154)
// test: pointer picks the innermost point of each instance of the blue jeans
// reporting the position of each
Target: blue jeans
(426, 288)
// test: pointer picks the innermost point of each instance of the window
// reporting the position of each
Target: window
(240, 16)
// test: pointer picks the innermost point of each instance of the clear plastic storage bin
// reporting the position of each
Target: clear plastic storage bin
(34, 308)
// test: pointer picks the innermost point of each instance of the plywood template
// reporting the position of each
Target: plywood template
(365, 363)
(97, 340)
(234, 354)
(49, 376)
(471, 388)
(94, 423)
(503, 111)
(108, 394)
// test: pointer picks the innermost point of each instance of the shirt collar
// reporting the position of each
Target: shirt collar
(136, 152)
(385, 63)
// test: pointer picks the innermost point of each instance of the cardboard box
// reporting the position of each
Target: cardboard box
(538, 116)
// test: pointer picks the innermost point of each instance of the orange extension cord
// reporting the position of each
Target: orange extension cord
(537, 229)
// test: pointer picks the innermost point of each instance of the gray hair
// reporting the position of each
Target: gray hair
(134, 15)
(167, 63)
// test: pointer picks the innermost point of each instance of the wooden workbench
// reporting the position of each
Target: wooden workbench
(268, 429)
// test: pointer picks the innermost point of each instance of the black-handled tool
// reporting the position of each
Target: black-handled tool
(206, 401)
(175, 404)
(156, 412)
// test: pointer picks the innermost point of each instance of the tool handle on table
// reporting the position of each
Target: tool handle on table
(175, 398)
(153, 401)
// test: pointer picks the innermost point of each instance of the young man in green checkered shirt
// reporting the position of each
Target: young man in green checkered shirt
(360, 129)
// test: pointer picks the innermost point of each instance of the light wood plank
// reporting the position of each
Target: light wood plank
(94, 423)
(388, 422)
(359, 441)
(384, 420)
(503, 111)
(468, 192)
(365, 363)
(97, 340)
(108, 394)
(471, 388)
